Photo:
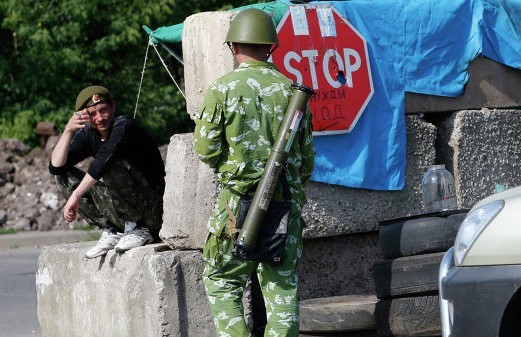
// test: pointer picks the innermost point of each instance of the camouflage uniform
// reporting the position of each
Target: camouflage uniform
(122, 194)
(235, 131)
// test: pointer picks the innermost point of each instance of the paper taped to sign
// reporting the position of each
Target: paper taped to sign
(299, 20)
(326, 21)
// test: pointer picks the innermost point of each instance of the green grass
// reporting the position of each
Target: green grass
(82, 227)
(8, 231)
(94, 236)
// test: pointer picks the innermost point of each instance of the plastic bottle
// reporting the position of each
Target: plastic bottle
(438, 190)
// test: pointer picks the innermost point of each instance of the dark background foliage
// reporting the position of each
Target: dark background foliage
(52, 49)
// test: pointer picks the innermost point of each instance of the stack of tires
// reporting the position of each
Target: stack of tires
(406, 282)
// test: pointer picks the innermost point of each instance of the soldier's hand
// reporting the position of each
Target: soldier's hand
(70, 210)
(77, 120)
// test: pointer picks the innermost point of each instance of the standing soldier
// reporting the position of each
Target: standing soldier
(235, 132)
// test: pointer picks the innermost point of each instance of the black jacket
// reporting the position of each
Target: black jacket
(127, 140)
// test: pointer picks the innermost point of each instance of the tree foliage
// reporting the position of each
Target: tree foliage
(52, 49)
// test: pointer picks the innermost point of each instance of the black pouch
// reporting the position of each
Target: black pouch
(271, 240)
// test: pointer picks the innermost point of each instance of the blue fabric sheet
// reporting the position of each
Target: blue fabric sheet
(372, 155)
(417, 46)
(501, 31)
(441, 39)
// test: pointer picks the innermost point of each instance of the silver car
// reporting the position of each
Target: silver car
(480, 277)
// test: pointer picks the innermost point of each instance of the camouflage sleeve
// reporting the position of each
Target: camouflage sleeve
(208, 134)
(308, 151)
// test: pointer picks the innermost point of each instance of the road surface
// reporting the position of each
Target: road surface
(18, 316)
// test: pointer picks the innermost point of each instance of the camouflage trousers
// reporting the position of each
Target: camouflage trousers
(225, 277)
(123, 194)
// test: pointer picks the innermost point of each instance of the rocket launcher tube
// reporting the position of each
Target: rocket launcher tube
(276, 162)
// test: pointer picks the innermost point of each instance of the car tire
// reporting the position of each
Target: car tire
(406, 276)
(337, 314)
(408, 317)
(419, 236)
(511, 324)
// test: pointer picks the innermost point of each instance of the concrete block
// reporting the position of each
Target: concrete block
(482, 148)
(190, 186)
(141, 293)
(205, 55)
(337, 210)
(189, 195)
(491, 84)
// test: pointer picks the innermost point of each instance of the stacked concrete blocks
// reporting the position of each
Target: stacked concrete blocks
(205, 56)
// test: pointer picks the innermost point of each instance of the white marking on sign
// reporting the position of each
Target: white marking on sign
(299, 20)
(326, 21)
(311, 55)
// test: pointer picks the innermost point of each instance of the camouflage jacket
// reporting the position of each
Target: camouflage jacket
(238, 124)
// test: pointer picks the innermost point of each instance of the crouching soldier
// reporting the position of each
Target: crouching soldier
(122, 190)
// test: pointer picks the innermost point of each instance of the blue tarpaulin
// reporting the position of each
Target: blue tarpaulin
(372, 155)
(416, 46)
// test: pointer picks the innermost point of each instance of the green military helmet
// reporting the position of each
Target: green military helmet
(252, 26)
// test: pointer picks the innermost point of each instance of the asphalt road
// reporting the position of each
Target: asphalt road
(18, 316)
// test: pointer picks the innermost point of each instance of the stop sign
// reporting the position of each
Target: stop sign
(320, 49)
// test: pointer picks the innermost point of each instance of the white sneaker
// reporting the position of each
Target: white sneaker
(134, 237)
(109, 239)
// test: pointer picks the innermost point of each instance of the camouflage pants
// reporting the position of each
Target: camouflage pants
(225, 277)
(122, 194)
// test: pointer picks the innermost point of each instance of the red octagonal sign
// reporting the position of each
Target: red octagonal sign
(320, 49)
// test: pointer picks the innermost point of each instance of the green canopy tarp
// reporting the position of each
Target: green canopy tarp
(169, 36)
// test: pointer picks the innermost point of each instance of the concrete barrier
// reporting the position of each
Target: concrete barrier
(141, 293)
(189, 194)
(482, 148)
(205, 56)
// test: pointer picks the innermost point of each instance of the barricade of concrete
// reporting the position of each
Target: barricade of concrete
(189, 195)
(141, 293)
(205, 55)
(151, 292)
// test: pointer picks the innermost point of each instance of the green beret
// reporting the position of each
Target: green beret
(92, 95)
